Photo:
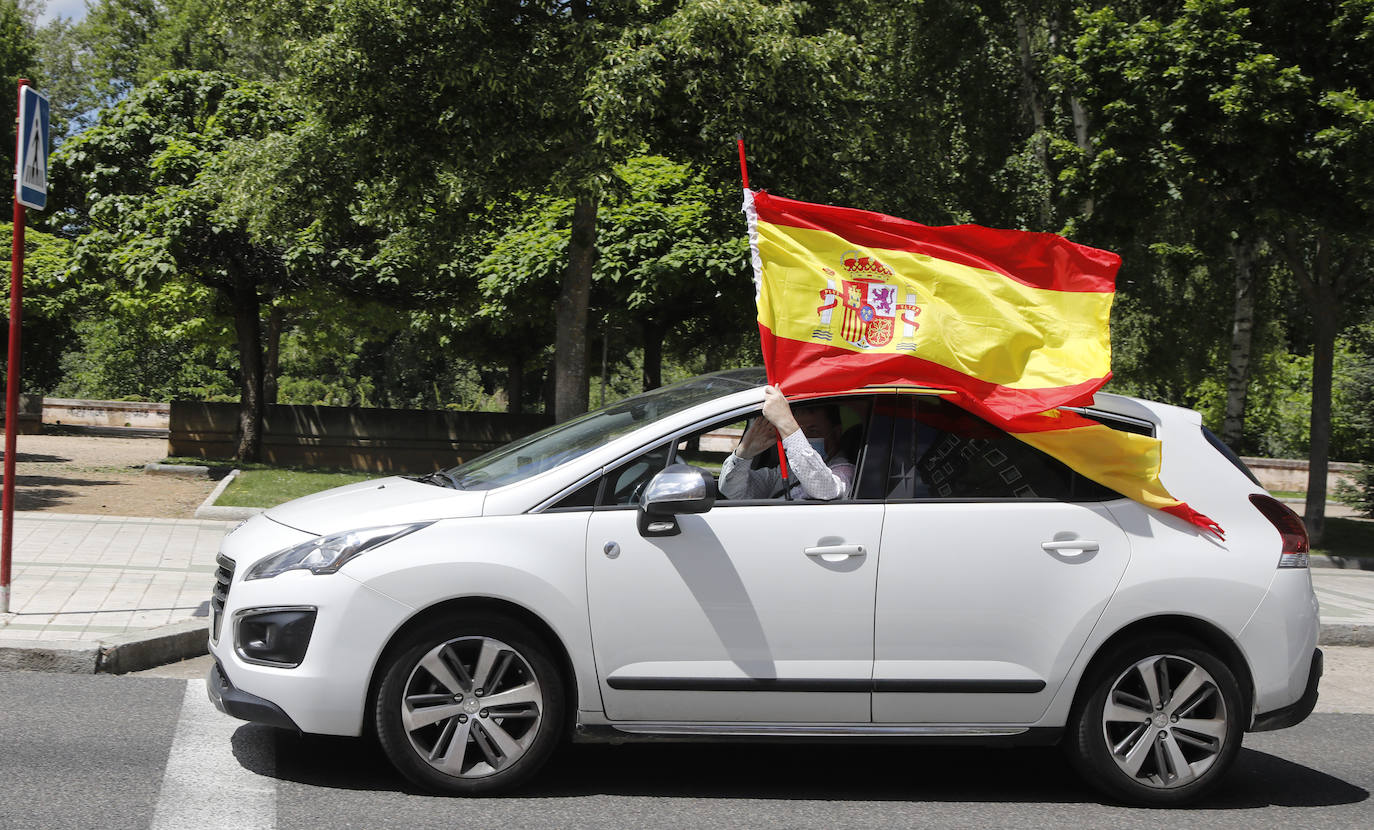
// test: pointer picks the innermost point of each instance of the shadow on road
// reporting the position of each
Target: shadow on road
(829, 773)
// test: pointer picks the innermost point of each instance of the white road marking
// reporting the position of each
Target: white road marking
(205, 785)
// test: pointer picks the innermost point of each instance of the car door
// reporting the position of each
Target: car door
(997, 562)
(757, 611)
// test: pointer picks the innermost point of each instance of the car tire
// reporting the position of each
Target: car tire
(1159, 724)
(470, 705)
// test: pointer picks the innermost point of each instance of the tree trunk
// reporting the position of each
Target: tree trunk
(515, 381)
(1035, 105)
(1325, 289)
(1242, 334)
(248, 330)
(1325, 327)
(570, 341)
(652, 377)
(276, 320)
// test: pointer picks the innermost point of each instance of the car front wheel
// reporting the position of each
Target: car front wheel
(1161, 723)
(470, 705)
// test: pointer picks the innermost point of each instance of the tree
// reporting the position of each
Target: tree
(1258, 120)
(152, 209)
(16, 59)
(500, 103)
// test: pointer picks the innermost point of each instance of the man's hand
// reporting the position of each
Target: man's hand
(758, 437)
(776, 410)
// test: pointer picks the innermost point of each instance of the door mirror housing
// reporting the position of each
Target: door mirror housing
(677, 489)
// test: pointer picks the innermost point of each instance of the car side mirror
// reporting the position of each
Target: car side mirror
(677, 489)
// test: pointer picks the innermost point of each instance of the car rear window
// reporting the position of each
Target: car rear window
(1230, 455)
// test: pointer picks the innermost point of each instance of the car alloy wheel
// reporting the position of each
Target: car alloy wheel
(1160, 722)
(470, 708)
(1165, 721)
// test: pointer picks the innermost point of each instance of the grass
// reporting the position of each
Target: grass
(263, 485)
(1349, 538)
(270, 487)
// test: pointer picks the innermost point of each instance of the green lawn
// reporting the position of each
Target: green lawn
(262, 485)
(270, 487)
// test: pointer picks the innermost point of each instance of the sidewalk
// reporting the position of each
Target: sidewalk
(108, 593)
(117, 594)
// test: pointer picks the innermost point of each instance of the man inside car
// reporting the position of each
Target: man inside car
(817, 467)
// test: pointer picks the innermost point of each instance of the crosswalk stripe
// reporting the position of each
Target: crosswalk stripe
(207, 785)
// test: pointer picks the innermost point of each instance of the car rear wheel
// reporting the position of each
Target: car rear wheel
(470, 705)
(1161, 723)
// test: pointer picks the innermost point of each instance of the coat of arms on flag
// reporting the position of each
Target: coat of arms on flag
(872, 311)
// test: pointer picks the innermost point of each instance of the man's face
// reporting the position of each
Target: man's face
(814, 423)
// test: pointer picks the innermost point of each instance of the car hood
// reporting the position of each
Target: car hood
(383, 501)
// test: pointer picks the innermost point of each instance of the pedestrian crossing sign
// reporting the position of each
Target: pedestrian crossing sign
(31, 158)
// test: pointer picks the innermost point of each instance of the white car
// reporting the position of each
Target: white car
(588, 582)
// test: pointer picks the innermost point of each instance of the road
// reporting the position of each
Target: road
(148, 751)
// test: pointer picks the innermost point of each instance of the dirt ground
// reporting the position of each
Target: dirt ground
(102, 476)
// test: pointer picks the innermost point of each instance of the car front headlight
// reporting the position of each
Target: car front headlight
(327, 554)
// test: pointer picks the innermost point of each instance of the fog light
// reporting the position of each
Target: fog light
(274, 636)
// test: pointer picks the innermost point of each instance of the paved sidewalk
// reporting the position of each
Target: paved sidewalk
(112, 593)
(108, 593)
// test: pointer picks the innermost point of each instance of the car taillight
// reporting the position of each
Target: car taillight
(1290, 527)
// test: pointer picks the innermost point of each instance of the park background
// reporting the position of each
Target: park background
(534, 206)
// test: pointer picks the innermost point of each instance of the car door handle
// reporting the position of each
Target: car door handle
(1069, 547)
(835, 553)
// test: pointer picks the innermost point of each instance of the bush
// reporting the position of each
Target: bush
(1363, 497)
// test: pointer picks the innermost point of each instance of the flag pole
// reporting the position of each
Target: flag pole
(782, 454)
(12, 375)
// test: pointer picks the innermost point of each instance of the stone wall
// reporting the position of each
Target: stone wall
(1290, 474)
(372, 440)
(84, 413)
(30, 413)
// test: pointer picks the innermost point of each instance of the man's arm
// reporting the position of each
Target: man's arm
(807, 468)
(738, 481)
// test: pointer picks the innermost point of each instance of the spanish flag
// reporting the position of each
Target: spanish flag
(1014, 324)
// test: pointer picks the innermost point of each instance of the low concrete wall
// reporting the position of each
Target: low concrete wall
(1290, 474)
(372, 440)
(84, 413)
(30, 413)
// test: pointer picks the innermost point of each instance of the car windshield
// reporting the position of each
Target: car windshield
(563, 442)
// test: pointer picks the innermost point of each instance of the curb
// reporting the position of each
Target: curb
(117, 655)
(186, 470)
(1346, 634)
(209, 510)
(154, 647)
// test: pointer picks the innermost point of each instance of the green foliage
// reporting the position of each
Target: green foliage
(1363, 497)
(51, 305)
(126, 357)
(16, 59)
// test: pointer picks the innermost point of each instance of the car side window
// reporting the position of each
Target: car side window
(942, 452)
(708, 448)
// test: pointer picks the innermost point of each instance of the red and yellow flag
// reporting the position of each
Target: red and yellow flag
(1013, 323)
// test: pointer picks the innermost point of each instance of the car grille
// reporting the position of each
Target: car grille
(224, 576)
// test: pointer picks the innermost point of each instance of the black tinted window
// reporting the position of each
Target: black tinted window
(939, 451)
(581, 498)
(624, 484)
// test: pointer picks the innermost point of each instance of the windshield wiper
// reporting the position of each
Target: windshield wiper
(439, 478)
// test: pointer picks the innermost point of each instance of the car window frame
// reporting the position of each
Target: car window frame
(675, 437)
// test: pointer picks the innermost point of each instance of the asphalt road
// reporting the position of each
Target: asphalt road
(144, 752)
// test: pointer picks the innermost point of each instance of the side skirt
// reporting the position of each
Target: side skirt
(690, 731)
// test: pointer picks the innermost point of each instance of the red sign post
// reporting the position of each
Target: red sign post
(30, 187)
